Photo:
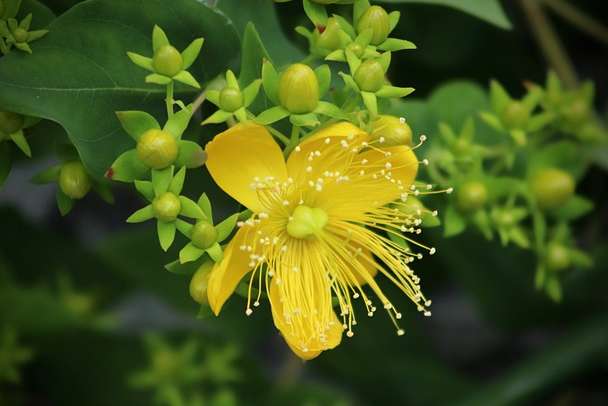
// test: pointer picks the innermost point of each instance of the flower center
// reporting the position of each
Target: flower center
(306, 222)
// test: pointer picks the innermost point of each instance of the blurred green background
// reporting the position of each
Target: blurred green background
(89, 316)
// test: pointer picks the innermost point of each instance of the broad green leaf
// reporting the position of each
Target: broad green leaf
(101, 77)
(490, 11)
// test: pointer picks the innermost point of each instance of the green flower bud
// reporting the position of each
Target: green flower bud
(167, 207)
(157, 149)
(20, 35)
(167, 61)
(199, 283)
(356, 49)
(377, 19)
(370, 76)
(503, 217)
(231, 99)
(557, 257)
(204, 235)
(552, 188)
(327, 39)
(299, 89)
(392, 130)
(515, 115)
(74, 180)
(471, 196)
(10, 122)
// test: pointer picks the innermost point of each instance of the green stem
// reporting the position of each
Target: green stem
(579, 19)
(549, 42)
(293, 141)
(169, 100)
(282, 137)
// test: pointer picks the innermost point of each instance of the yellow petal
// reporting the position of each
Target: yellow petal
(241, 154)
(376, 178)
(226, 274)
(314, 347)
(331, 156)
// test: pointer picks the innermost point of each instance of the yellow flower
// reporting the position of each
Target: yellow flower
(313, 240)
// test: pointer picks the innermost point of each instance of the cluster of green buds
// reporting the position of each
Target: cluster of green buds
(72, 179)
(14, 33)
(231, 100)
(523, 188)
(12, 126)
(176, 373)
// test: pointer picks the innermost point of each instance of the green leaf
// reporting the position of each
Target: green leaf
(136, 123)
(127, 168)
(205, 204)
(215, 252)
(178, 268)
(191, 155)
(166, 234)
(190, 253)
(316, 13)
(101, 77)
(190, 54)
(225, 228)
(184, 227)
(177, 183)
(19, 140)
(453, 102)
(393, 91)
(394, 44)
(270, 81)
(253, 53)
(454, 223)
(490, 11)
(104, 191)
(187, 78)
(323, 74)
(141, 215)
(156, 79)
(272, 115)
(64, 203)
(191, 209)
(159, 38)
(577, 206)
(161, 179)
(330, 110)
(219, 116)
(177, 124)
(499, 98)
(48, 175)
(304, 120)
(141, 61)
(251, 92)
(371, 103)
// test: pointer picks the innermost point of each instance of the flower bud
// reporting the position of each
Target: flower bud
(552, 188)
(20, 35)
(299, 89)
(370, 76)
(393, 130)
(231, 99)
(557, 257)
(329, 39)
(74, 180)
(204, 235)
(356, 49)
(199, 283)
(515, 115)
(157, 149)
(471, 196)
(167, 61)
(166, 207)
(10, 122)
(377, 19)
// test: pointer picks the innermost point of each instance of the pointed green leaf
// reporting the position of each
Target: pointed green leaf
(336, 56)
(251, 92)
(304, 32)
(104, 191)
(187, 78)
(447, 134)
(64, 203)
(36, 35)
(345, 26)
(364, 38)
(161, 179)
(191, 52)
(270, 80)
(385, 60)
(213, 96)
(394, 44)
(323, 74)
(316, 13)
(191, 155)
(304, 120)
(177, 124)
(141, 215)
(253, 54)
(24, 46)
(330, 110)
(353, 61)
(141, 61)
(349, 81)
(26, 22)
(191, 209)
(184, 227)
(241, 115)
(492, 120)
(166, 234)
(136, 123)
(394, 91)
(580, 259)
(499, 98)
(272, 115)
(177, 183)
(394, 17)
(554, 289)
(371, 103)
(159, 38)
(577, 206)
(48, 175)
(145, 188)
(19, 139)
(190, 253)
(360, 6)
(127, 168)
(219, 116)
(205, 204)
(231, 80)
(157, 79)
(215, 252)
(225, 228)
(177, 268)
(539, 121)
